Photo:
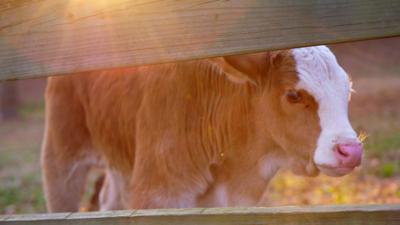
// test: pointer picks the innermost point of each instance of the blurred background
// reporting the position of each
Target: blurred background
(374, 111)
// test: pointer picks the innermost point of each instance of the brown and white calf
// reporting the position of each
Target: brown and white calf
(200, 133)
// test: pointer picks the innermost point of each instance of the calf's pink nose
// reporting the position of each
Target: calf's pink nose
(349, 155)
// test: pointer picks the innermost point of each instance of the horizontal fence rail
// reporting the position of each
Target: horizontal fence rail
(311, 215)
(50, 37)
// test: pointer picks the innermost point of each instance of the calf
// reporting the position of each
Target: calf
(201, 133)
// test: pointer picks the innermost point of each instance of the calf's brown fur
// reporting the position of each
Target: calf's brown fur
(188, 134)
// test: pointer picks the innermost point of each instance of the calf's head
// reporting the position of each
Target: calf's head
(302, 107)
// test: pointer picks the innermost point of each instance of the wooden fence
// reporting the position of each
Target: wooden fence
(55, 37)
(315, 215)
(49, 37)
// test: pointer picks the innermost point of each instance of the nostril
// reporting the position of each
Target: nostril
(348, 154)
(341, 151)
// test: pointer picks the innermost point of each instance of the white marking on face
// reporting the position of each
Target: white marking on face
(322, 77)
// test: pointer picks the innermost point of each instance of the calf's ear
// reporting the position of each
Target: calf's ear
(244, 68)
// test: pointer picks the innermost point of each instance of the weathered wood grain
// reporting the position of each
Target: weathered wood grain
(315, 215)
(49, 37)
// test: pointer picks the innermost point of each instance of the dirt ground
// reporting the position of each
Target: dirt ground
(374, 111)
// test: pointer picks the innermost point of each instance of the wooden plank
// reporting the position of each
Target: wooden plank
(48, 37)
(311, 215)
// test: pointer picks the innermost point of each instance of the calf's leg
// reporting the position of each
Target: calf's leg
(66, 149)
(63, 180)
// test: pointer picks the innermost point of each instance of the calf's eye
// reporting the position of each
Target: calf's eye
(293, 96)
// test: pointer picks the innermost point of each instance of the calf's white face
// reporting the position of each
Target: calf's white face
(338, 150)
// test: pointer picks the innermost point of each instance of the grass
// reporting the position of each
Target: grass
(26, 191)
(388, 169)
(20, 178)
(387, 149)
(31, 110)
(384, 142)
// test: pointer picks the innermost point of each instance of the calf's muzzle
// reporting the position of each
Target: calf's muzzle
(348, 154)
